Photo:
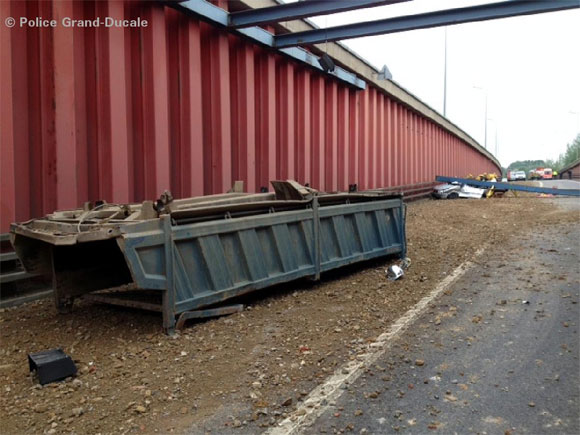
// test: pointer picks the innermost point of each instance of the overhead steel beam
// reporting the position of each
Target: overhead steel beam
(217, 16)
(423, 21)
(509, 186)
(294, 11)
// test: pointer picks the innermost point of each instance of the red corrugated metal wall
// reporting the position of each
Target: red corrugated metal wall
(122, 114)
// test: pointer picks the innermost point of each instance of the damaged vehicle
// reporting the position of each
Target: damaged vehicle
(456, 190)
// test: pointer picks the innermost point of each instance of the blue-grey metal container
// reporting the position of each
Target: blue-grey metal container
(205, 263)
(191, 266)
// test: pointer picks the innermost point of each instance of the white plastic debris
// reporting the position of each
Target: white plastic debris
(394, 272)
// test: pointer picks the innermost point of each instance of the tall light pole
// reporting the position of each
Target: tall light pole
(495, 123)
(496, 150)
(445, 78)
(485, 93)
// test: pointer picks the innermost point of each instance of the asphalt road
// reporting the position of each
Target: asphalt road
(561, 184)
(481, 360)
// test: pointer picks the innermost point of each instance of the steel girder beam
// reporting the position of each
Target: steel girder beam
(217, 16)
(293, 11)
(426, 20)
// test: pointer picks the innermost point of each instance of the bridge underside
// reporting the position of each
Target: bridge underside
(186, 105)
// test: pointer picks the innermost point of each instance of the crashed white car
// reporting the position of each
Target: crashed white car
(455, 190)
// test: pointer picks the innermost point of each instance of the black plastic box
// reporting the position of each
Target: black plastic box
(51, 365)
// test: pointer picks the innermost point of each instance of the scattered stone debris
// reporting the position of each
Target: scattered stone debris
(132, 378)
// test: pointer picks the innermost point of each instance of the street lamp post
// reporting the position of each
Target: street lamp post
(496, 140)
(445, 79)
(485, 140)
(495, 123)
(485, 93)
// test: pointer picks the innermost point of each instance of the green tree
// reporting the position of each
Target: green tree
(572, 152)
(525, 165)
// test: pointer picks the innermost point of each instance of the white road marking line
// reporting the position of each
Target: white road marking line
(312, 407)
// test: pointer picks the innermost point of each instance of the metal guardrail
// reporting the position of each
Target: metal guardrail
(414, 191)
(16, 285)
(10, 268)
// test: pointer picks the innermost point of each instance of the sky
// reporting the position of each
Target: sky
(527, 66)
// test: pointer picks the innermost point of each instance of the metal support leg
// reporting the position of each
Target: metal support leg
(63, 301)
(317, 253)
(212, 312)
(403, 214)
(169, 293)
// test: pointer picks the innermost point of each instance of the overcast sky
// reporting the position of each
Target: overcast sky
(529, 67)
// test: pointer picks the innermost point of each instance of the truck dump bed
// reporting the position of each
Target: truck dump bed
(178, 256)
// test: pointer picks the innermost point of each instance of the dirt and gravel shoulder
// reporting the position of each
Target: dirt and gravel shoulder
(250, 368)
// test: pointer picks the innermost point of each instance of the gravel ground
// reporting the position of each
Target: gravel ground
(132, 378)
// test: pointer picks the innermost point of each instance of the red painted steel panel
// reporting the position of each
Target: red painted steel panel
(409, 147)
(395, 168)
(418, 148)
(47, 133)
(35, 111)
(156, 99)
(382, 125)
(404, 149)
(7, 91)
(303, 127)
(423, 152)
(243, 113)
(412, 147)
(354, 137)
(343, 138)
(432, 151)
(285, 129)
(436, 149)
(123, 114)
(442, 168)
(406, 146)
(265, 81)
(331, 137)
(318, 131)
(388, 143)
(395, 143)
(190, 161)
(425, 149)
(65, 111)
(363, 127)
(217, 137)
(370, 149)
